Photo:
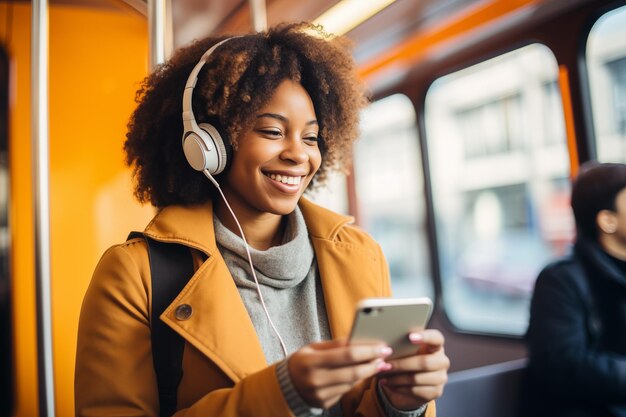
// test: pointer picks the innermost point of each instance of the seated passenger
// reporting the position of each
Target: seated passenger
(262, 341)
(577, 332)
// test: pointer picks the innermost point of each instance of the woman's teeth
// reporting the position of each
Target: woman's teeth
(285, 179)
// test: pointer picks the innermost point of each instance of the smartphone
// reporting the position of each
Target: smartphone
(390, 320)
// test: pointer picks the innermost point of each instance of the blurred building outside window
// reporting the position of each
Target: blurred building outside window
(499, 171)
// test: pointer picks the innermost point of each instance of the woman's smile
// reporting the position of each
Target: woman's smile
(286, 182)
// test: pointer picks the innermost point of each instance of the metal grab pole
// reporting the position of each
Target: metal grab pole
(40, 156)
(259, 15)
(159, 31)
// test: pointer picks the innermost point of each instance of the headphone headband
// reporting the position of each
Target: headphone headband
(203, 145)
(189, 120)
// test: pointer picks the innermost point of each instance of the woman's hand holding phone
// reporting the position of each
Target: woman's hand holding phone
(412, 374)
(323, 372)
(417, 379)
(419, 365)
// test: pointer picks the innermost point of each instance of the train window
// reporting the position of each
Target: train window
(389, 188)
(499, 174)
(606, 60)
(333, 194)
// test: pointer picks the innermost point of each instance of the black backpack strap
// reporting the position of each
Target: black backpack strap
(171, 267)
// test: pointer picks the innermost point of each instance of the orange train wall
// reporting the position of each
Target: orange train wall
(98, 58)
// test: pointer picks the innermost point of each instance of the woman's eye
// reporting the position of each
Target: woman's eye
(270, 133)
(311, 139)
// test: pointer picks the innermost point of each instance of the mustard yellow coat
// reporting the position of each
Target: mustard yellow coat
(224, 369)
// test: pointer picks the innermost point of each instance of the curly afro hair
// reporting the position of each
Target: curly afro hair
(234, 85)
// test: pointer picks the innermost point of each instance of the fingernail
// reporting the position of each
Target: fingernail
(415, 337)
(386, 351)
(383, 366)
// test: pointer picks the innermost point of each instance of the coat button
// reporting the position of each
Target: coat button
(183, 312)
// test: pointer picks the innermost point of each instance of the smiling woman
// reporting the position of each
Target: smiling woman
(261, 325)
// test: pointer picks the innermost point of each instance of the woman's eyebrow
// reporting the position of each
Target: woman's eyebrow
(283, 118)
(273, 116)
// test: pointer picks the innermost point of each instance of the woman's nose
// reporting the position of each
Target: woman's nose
(294, 150)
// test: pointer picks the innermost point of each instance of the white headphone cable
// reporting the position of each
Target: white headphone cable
(256, 281)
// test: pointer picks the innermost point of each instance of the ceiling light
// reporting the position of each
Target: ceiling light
(348, 14)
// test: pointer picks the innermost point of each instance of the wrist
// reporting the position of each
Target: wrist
(421, 410)
(296, 403)
(391, 410)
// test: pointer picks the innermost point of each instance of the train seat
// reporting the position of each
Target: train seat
(488, 391)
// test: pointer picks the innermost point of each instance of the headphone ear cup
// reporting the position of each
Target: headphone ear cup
(222, 147)
(205, 149)
(197, 150)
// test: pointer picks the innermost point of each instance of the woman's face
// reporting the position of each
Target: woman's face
(276, 159)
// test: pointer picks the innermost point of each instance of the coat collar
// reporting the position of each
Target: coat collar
(599, 261)
(219, 325)
(193, 225)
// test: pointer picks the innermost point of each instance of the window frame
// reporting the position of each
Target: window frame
(565, 35)
(436, 245)
(591, 144)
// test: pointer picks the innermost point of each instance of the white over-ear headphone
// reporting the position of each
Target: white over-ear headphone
(203, 145)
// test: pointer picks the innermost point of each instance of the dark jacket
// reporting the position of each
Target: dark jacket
(577, 337)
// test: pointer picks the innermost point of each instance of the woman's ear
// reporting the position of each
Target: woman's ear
(606, 221)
